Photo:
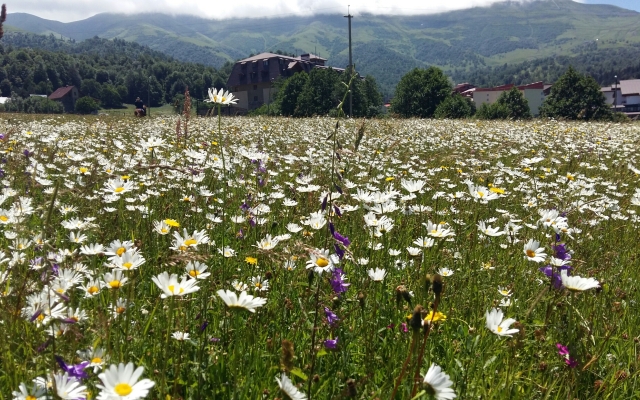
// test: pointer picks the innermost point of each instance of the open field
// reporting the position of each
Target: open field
(504, 252)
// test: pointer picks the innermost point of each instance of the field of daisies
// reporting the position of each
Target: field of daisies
(270, 258)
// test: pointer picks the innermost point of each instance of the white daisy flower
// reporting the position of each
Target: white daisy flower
(121, 382)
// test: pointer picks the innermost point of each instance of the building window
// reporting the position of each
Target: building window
(255, 87)
(255, 98)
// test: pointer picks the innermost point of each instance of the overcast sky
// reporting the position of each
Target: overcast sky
(73, 10)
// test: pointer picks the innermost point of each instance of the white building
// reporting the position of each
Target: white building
(535, 93)
(624, 96)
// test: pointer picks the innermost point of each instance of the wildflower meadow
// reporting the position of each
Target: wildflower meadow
(323, 258)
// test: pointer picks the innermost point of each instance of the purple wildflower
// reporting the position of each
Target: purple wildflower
(563, 351)
(331, 344)
(338, 281)
(554, 274)
(339, 250)
(561, 252)
(342, 239)
(35, 315)
(73, 370)
(332, 318)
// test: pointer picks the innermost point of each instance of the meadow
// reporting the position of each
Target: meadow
(272, 258)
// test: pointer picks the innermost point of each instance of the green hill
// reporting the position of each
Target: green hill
(384, 46)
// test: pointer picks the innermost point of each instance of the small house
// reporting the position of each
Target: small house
(67, 96)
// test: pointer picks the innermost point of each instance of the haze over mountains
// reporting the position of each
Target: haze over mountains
(383, 46)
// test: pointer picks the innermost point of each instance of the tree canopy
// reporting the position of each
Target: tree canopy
(576, 96)
(419, 93)
(319, 93)
(510, 105)
(111, 71)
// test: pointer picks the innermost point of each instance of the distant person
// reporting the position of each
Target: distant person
(141, 109)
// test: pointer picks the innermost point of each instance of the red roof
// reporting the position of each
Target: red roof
(535, 85)
(60, 92)
(496, 89)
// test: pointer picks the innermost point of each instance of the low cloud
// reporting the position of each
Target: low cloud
(73, 10)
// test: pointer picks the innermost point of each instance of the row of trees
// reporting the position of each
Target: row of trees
(427, 93)
(110, 71)
(319, 93)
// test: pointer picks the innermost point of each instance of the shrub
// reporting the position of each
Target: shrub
(86, 105)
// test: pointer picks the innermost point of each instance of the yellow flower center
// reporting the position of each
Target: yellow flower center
(322, 262)
(114, 284)
(123, 389)
(194, 273)
(164, 230)
(96, 360)
(120, 251)
(83, 170)
(119, 189)
(190, 242)
(93, 290)
(30, 398)
(3, 218)
(224, 99)
(480, 194)
(499, 329)
(127, 265)
(120, 310)
(171, 287)
(258, 285)
(531, 253)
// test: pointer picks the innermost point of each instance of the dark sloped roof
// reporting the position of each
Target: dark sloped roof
(60, 92)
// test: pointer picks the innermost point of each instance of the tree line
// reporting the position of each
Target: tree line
(115, 72)
(427, 93)
(110, 71)
(320, 91)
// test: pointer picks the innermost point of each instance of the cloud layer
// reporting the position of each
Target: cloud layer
(73, 10)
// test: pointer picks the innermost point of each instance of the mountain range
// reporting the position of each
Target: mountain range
(383, 46)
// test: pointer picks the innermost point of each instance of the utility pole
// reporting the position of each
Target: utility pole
(149, 96)
(350, 69)
(615, 96)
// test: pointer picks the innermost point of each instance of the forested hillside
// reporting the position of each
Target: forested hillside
(602, 64)
(112, 71)
(384, 46)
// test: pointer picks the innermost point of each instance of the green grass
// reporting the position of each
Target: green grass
(165, 110)
(73, 177)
